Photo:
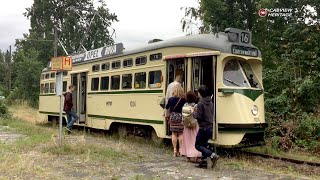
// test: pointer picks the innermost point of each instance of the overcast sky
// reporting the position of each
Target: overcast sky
(139, 20)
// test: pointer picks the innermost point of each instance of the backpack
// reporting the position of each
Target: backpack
(188, 120)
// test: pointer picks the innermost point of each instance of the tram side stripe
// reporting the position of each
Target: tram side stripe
(250, 93)
(148, 121)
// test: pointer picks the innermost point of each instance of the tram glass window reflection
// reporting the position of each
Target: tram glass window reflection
(115, 82)
(104, 83)
(105, 66)
(253, 80)
(233, 76)
(154, 79)
(65, 73)
(96, 68)
(127, 62)
(47, 76)
(52, 87)
(140, 80)
(141, 60)
(53, 75)
(94, 84)
(64, 86)
(46, 88)
(127, 81)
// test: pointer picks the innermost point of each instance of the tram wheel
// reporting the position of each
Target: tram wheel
(122, 131)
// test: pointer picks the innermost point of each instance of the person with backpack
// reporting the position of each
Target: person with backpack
(191, 128)
(174, 106)
(68, 108)
(204, 115)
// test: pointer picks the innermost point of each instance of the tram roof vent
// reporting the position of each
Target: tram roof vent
(154, 40)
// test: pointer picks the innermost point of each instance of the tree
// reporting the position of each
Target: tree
(72, 29)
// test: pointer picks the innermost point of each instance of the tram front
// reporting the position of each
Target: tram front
(240, 117)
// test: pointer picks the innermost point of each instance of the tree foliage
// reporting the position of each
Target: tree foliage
(291, 59)
(77, 22)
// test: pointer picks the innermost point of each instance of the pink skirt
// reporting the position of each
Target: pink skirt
(188, 144)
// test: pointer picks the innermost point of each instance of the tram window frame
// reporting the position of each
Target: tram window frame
(95, 84)
(47, 76)
(52, 87)
(155, 57)
(138, 59)
(125, 81)
(42, 76)
(105, 66)
(46, 88)
(96, 68)
(154, 85)
(126, 63)
(41, 88)
(64, 86)
(102, 87)
(113, 82)
(139, 83)
(230, 78)
(114, 63)
(53, 75)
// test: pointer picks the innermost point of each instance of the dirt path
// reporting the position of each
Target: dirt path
(34, 154)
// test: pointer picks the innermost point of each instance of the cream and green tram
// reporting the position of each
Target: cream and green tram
(121, 89)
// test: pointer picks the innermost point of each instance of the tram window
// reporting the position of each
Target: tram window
(47, 76)
(64, 88)
(96, 68)
(116, 64)
(127, 81)
(42, 88)
(53, 75)
(140, 80)
(94, 84)
(115, 82)
(154, 79)
(52, 87)
(141, 60)
(105, 66)
(46, 88)
(104, 83)
(42, 76)
(157, 56)
(65, 73)
(127, 63)
(232, 74)
(253, 81)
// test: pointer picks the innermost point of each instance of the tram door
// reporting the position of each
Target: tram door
(176, 67)
(79, 95)
(204, 73)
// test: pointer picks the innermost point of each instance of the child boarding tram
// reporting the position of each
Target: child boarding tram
(121, 90)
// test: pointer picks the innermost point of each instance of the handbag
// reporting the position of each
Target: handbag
(168, 113)
(163, 102)
(188, 120)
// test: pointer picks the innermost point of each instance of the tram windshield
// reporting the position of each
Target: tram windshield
(239, 73)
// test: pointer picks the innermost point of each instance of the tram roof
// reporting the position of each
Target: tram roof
(217, 42)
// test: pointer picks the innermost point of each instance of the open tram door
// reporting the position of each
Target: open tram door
(204, 73)
(79, 95)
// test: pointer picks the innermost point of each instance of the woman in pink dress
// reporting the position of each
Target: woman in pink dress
(189, 134)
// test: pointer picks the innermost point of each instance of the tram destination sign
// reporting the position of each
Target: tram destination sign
(98, 53)
(246, 51)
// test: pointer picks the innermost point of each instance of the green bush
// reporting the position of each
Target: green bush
(308, 132)
(3, 109)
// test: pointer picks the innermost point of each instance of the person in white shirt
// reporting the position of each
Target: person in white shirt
(172, 86)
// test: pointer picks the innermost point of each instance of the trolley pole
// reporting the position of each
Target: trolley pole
(60, 81)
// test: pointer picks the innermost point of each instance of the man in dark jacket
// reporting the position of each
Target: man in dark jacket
(68, 108)
(204, 114)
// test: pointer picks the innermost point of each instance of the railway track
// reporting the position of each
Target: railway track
(296, 161)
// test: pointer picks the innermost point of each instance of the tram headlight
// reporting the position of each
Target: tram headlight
(254, 110)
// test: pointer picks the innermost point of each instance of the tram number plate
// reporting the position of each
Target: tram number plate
(245, 37)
